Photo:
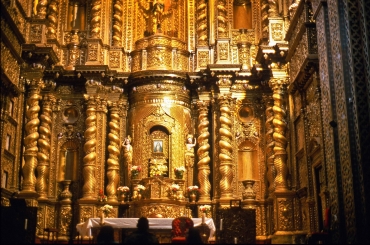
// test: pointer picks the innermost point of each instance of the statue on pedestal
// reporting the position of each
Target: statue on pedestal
(127, 151)
(157, 10)
(189, 157)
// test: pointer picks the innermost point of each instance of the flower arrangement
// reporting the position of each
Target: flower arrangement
(101, 196)
(155, 171)
(140, 188)
(205, 209)
(106, 209)
(175, 187)
(193, 189)
(135, 170)
(179, 172)
(180, 169)
(123, 189)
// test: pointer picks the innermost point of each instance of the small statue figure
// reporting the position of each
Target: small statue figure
(157, 10)
(127, 151)
(190, 145)
(189, 157)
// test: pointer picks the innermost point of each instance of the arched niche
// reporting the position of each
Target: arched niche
(242, 14)
(76, 17)
(247, 159)
(68, 161)
(160, 149)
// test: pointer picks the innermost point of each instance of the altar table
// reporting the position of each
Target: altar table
(129, 223)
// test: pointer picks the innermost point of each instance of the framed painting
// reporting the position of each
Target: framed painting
(158, 146)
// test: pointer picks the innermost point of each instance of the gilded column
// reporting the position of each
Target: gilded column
(53, 19)
(101, 138)
(31, 135)
(114, 152)
(265, 18)
(202, 23)
(203, 151)
(89, 160)
(225, 145)
(278, 86)
(43, 156)
(117, 23)
(39, 8)
(270, 174)
(95, 18)
(244, 52)
(3, 115)
(222, 27)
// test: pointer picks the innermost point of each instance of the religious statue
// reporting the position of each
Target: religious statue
(189, 157)
(157, 10)
(190, 144)
(127, 151)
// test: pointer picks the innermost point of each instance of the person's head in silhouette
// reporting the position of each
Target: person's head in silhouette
(193, 236)
(106, 235)
(142, 235)
(143, 224)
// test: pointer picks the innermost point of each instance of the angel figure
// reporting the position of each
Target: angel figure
(190, 144)
(127, 150)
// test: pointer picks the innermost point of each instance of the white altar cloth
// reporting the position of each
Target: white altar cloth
(154, 223)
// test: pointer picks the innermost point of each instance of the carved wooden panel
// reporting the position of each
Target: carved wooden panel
(236, 223)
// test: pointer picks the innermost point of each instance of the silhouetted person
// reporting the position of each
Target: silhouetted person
(106, 235)
(194, 236)
(142, 234)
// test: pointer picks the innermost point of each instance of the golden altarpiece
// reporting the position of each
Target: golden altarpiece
(197, 84)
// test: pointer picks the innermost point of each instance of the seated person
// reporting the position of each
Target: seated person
(193, 236)
(106, 235)
(142, 234)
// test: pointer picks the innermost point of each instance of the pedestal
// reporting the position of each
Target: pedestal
(180, 192)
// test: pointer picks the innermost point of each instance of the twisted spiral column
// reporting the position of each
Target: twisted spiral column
(203, 152)
(273, 8)
(43, 156)
(221, 19)
(53, 19)
(89, 160)
(225, 145)
(265, 17)
(32, 135)
(117, 23)
(279, 123)
(95, 18)
(114, 152)
(202, 27)
(270, 174)
(39, 8)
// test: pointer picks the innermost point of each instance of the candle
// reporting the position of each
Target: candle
(235, 240)
(221, 224)
(25, 224)
(203, 218)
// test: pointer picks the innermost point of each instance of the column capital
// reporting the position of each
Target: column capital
(279, 83)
